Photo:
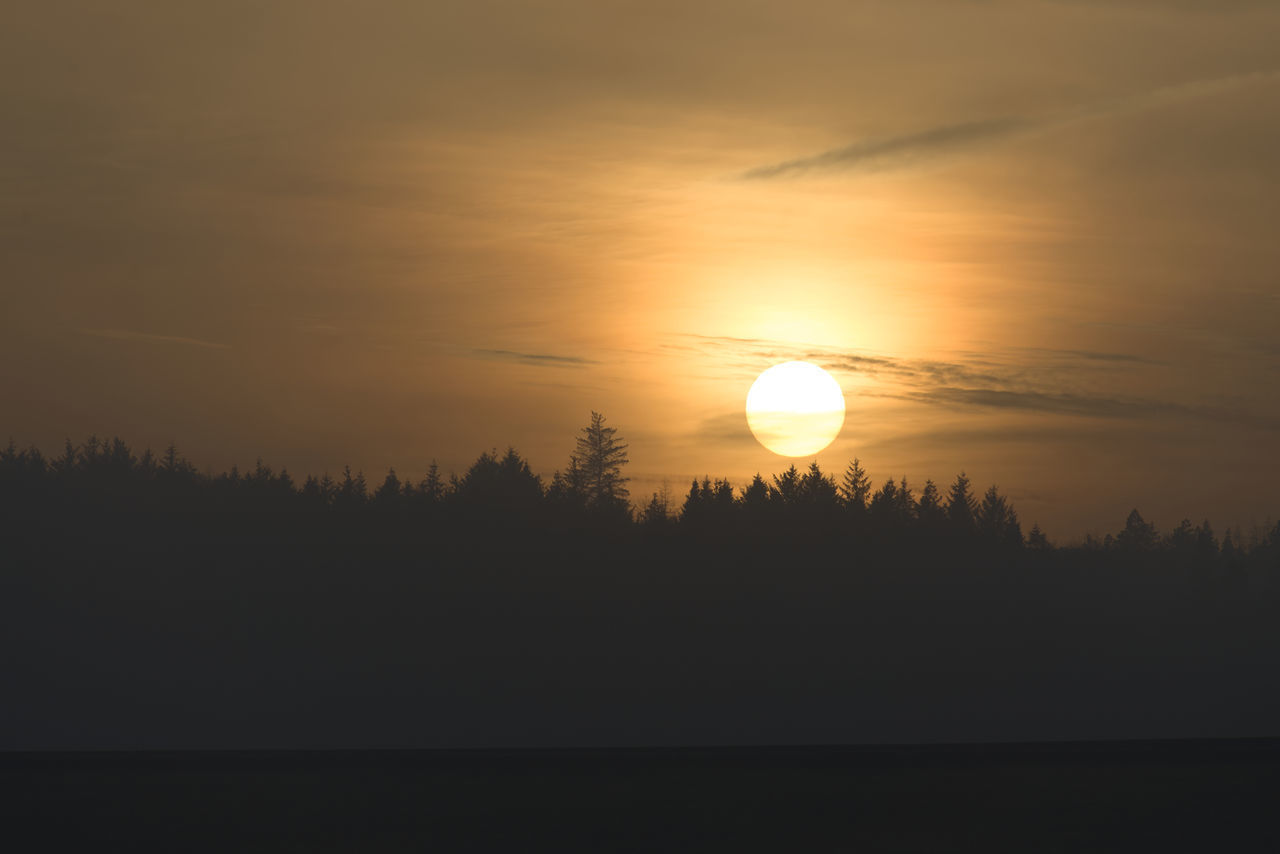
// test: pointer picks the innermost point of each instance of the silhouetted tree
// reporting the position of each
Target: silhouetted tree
(718, 503)
(1206, 543)
(755, 496)
(884, 507)
(904, 503)
(709, 505)
(352, 491)
(961, 506)
(722, 496)
(692, 509)
(996, 520)
(818, 492)
(855, 487)
(328, 488)
(389, 494)
(1036, 540)
(65, 465)
(1138, 534)
(1229, 552)
(432, 486)
(312, 492)
(1183, 537)
(786, 488)
(502, 488)
(656, 515)
(929, 510)
(595, 468)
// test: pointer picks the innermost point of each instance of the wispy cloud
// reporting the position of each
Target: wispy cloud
(1090, 406)
(1095, 356)
(1042, 401)
(130, 335)
(1031, 380)
(874, 154)
(898, 151)
(917, 370)
(543, 359)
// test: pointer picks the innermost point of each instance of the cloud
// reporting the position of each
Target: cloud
(897, 151)
(1090, 406)
(541, 359)
(129, 335)
(755, 351)
(1022, 379)
(873, 154)
(918, 370)
(1040, 401)
(1095, 356)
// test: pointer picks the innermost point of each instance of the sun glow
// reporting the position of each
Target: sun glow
(795, 409)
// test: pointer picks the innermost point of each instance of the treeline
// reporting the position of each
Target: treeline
(150, 605)
(501, 489)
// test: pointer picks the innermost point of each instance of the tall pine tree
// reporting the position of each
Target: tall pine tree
(595, 468)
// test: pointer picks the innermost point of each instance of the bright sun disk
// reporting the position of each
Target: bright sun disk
(795, 409)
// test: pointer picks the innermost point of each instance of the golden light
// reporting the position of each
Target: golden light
(795, 409)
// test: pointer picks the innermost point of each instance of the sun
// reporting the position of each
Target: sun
(795, 409)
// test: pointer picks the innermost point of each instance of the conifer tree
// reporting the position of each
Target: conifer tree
(961, 506)
(884, 504)
(1138, 534)
(855, 488)
(904, 503)
(353, 490)
(389, 492)
(996, 519)
(929, 509)
(657, 512)
(432, 486)
(1182, 538)
(786, 487)
(756, 494)
(692, 511)
(817, 490)
(326, 490)
(595, 467)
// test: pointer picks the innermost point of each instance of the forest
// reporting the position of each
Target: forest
(146, 604)
(590, 496)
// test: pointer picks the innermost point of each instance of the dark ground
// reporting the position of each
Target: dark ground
(1119, 796)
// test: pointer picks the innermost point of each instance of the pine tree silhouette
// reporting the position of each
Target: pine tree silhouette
(961, 506)
(855, 488)
(595, 467)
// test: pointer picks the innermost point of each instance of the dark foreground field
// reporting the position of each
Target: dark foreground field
(1125, 796)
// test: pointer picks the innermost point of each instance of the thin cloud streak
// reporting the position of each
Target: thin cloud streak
(874, 154)
(1090, 406)
(894, 152)
(129, 335)
(1095, 356)
(541, 359)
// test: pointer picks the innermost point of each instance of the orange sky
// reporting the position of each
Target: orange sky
(1034, 241)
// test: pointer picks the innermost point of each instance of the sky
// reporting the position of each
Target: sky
(1034, 241)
